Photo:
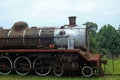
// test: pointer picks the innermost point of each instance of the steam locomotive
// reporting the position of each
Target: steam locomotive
(47, 49)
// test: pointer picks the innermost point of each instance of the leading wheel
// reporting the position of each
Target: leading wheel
(87, 71)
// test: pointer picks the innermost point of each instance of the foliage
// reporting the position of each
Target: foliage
(93, 43)
(119, 29)
(92, 28)
(109, 39)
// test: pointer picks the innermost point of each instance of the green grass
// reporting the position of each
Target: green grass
(109, 67)
(31, 77)
(51, 77)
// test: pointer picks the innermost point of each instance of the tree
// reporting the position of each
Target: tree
(92, 28)
(93, 42)
(119, 29)
(109, 39)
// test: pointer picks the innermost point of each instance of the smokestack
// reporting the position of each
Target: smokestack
(72, 21)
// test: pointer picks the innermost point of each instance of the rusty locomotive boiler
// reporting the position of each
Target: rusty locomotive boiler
(42, 50)
(20, 36)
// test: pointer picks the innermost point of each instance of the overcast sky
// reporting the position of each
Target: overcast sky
(56, 12)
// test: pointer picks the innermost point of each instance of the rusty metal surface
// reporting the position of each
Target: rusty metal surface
(22, 37)
(3, 37)
(47, 31)
(19, 26)
(47, 36)
(92, 57)
(31, 37)
(40, 50)
(14, 38)
(28, 38)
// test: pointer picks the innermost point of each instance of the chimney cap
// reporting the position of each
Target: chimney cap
(72, 17)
